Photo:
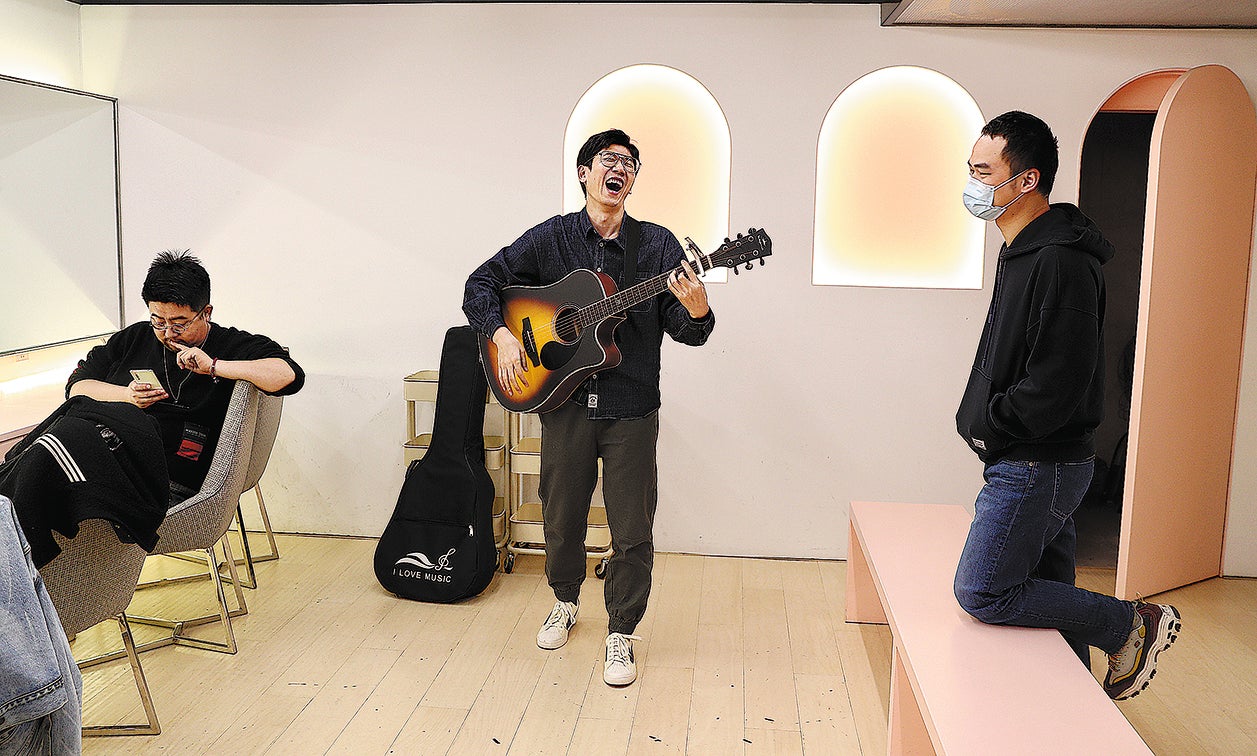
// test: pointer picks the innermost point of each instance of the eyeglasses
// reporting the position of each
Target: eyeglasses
(175, 328)
(609, 159)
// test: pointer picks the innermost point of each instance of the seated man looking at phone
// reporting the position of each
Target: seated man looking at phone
(181, 369)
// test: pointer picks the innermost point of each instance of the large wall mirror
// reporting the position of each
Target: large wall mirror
(60, 253)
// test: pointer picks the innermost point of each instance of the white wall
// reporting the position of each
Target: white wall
(342, 169)
(39, 41)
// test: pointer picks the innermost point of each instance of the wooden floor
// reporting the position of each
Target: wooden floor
(740, 656)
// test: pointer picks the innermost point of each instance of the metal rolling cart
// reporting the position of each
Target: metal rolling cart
(420, 388)
(526, 534)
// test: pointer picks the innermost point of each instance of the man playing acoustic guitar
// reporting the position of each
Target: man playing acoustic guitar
(612, 414)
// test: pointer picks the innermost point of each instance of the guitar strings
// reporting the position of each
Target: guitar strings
(570, 320)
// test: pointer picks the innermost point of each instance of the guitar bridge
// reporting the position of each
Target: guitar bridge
(530, 342)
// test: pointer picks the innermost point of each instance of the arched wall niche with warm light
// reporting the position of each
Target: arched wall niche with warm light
(684, 141)
(890, 172)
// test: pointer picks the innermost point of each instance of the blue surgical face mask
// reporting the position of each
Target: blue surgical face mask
(979, 198)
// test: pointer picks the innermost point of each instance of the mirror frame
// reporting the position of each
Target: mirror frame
(117, 205)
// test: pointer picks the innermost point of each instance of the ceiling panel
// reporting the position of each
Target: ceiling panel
(1081, 13)
(1120, 13)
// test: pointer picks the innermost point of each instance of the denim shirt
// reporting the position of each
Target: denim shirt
(40, 687)
(552, 249)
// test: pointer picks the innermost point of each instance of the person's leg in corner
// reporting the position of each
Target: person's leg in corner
(630, 493)
(1021, 509)
(40, 687)
(569, 472)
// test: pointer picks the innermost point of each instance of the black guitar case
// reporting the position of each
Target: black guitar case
(438, 545)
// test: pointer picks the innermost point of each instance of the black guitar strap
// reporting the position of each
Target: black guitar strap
(632, 237)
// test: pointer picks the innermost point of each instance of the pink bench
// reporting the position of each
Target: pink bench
(959, 686)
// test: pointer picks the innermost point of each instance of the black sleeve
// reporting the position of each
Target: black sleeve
(1064, 349)
(247, 346)
(514, 264)
(100, 360)
(676, 319)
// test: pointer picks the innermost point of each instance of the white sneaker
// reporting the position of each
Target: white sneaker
(619, 668)
(553, 634)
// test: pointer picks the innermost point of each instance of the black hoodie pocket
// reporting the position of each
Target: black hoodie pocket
(972, 419)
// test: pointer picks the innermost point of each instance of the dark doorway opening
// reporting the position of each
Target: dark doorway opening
(1113, 191)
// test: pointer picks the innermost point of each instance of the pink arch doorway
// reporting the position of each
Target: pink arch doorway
(1192, 292)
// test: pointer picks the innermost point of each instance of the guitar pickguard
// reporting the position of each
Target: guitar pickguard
(556, 354)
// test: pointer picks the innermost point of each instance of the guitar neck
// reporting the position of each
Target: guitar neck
(627, 298)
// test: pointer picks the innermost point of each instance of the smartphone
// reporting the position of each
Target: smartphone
(144, 375)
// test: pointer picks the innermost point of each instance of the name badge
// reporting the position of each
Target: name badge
(193, 443)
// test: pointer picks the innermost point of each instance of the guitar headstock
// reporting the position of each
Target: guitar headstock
(753, 245)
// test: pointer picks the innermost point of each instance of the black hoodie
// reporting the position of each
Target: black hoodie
(1036, 391)
(88, 460)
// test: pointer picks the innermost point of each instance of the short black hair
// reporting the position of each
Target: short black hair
(177, 277)
(1029, 144)
(601, 141)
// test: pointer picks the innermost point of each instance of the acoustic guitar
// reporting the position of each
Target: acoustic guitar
(567, 328)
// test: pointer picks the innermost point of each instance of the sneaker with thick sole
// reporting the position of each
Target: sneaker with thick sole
(619, 669)
(553, 633)
(1135, 664)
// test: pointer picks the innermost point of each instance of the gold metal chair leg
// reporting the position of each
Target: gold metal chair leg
(266, 528)
(145, 584)
(225, 612)
(235, 577)
(184, 557)
(153, 727)
(140, 648)
(250, 559)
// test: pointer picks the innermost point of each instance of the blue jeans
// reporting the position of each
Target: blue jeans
(40, 687)
(1017, 567)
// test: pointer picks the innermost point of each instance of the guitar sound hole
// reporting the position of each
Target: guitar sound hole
(565, 326)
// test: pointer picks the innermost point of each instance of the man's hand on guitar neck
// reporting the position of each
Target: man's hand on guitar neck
(512, 363)
(689, 290)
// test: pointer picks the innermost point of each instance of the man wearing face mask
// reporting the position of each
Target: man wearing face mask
(1030, 410)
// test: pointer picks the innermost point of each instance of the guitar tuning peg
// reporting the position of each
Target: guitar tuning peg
(739, 236)
(749, 265)
(761, 262)
(736, 270)
(726, 240)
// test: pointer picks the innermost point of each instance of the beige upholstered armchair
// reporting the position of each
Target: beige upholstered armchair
(93, 580)
(270, 408)
(200, 522)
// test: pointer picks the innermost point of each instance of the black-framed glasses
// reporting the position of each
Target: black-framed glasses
(176, 329)
(609, 159)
